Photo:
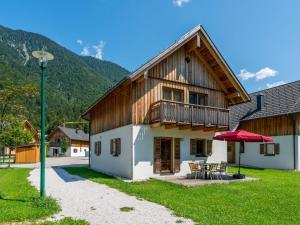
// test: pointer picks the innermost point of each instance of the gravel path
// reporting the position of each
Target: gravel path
(99, 204)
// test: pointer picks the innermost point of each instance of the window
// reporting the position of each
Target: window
(197, 98)
(75, 150)
(115, 147)
(270, 149)
(171, 94)
(201, 147)
(97, 148)
(242, 147)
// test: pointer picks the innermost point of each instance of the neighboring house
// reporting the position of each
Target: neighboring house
(28, 152)
(165, 114)
(272, 112)
(76, 142)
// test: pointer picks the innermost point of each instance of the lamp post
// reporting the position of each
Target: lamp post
(43, 58)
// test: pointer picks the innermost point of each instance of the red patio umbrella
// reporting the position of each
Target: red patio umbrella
(242, 136)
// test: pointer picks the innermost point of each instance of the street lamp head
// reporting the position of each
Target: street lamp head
(43, 57)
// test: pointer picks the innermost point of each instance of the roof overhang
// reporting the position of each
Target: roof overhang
(236, 94)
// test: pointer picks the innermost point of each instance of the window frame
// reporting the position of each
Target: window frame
(197, 94)
(242, 147)
(113, 147)
(97, 148)
(205, 152)
(172, 92)
(266, 149)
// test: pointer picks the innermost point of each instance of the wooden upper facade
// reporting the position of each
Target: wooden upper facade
(189, 86)
(74, 137)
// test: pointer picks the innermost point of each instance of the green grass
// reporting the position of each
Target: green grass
(273, 199)
(65, 221)
(126, 209)
(19, 201)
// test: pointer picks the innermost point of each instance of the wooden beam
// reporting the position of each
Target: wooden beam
(193, 44)
(232, 95)
(170, 126)
(210, 128)
(184, 127)
(200, 127)
(154, 125)
(222, 129)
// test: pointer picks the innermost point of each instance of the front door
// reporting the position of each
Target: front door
(231, 152)
(166, 155)
(55, 152)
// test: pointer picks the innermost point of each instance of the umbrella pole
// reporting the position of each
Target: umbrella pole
(239, 171)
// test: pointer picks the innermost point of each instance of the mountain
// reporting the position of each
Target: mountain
(72, 82)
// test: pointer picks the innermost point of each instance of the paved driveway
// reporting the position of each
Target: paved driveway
(99, 204)
(57, 161)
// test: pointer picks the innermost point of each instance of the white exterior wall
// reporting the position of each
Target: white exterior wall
(70, 151)
(298, 152)
(105, 162)
(285, 160)
(80, 151)
(143, 140)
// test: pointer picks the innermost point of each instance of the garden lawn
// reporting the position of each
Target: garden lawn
(19, 201)
(274, 199)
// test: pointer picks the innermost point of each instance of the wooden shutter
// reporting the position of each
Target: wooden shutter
(262, 149)
(209, 147)
(157, 155)
(277, 149)
(112, 146)
(118, 146)
(193, 146)
(96, 148)
(177, 154)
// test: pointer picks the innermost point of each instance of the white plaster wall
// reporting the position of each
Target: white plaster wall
(298, 152)
(105, 162)
(80, 151)
(252, 156)
(143, 140)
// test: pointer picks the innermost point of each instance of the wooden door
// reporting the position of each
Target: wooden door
(166, 155)
(231, 152)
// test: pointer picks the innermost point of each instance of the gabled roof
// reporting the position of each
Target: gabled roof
(73, 134)
(280, 100)
(198, 31)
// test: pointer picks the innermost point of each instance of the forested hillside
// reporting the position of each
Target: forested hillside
(73, 81)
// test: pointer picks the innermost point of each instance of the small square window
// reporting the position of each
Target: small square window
(270, 150)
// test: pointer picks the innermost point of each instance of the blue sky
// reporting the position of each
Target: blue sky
(258, 38)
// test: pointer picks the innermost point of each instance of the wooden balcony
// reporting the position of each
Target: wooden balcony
(186, 116)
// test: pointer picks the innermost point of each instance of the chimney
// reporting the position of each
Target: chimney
(77, 129)
(260, 101)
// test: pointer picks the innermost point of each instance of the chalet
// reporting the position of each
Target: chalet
(273, 112)
(75, 140)
(165, 114)
(28, 152)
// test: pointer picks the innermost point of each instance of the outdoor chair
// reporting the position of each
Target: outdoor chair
(213, 170)
(194, 169)
(222, 169)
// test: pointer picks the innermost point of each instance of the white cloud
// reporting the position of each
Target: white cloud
(275, 84)
(79, 41)
(99, 50)
(265, 73)
(85, 51)
(259, 75)
(246, 75)
(180, 3)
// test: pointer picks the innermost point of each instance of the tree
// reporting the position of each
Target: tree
(11, 96)
(64, 144)
(13, 133)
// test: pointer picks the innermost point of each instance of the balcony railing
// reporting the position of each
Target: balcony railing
(196, 115)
